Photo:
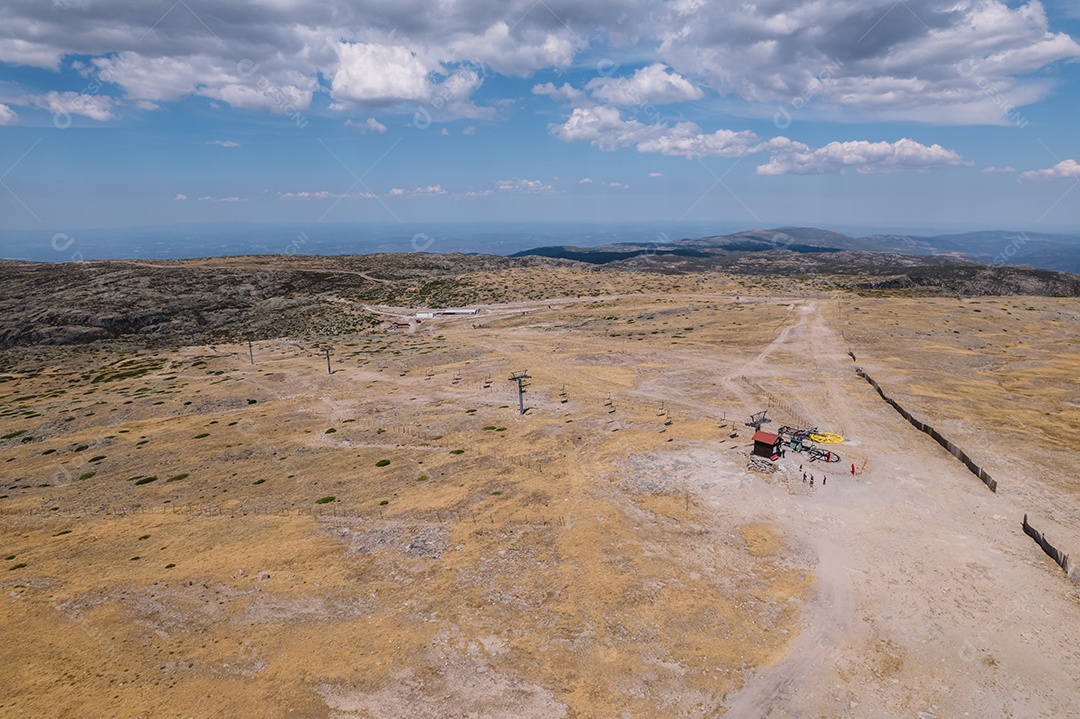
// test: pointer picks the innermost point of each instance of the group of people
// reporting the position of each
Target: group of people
(824, 478)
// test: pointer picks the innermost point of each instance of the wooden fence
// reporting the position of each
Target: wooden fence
(924, 427)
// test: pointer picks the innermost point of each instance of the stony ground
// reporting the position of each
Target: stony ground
(186, 533)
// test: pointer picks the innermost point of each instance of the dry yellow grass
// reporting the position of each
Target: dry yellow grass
(573, 562)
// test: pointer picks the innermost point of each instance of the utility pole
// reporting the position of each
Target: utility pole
(520, 378)
(251, 352)
(327, 351)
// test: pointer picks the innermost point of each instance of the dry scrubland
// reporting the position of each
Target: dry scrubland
(187, 534)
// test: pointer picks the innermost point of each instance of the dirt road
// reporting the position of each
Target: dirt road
(932, 602)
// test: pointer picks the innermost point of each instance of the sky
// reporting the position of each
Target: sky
(883, 114)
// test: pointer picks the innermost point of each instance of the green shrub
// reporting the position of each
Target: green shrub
(178, 477)
(200, 436)
(330, 431)
(384, 502)
(253, 401)
(48, 451)
(258, 481)
(489, 428)
(423, 478)
(382, 463)
(97, 458)
(145, 536)
(13, 435)
(325, 500)
(145, 480)
(169, 566)
(87, 475)
(457, 451)
(20, 565)
(81, 447)
(62, 532)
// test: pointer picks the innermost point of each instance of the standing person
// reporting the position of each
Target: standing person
(811, 480)
(824, 479)
(853, 470)
(804, 477)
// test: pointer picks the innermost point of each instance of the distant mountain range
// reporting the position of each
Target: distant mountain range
(1055, 252)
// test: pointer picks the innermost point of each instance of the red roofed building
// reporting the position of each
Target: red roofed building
(767, 444)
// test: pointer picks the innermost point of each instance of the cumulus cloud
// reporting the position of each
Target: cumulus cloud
(7, 115)
(272, 86)
(859, 155)
(377, 75)
(211, 198)
(999, 169)
(180, 197)
(605, 128)
(652, 85)
(656, 174)
(470, 130)
(368, 125)
(618, 186)
(66, 104)
(565, 93)
(923, 60)
(429, 191)
(585, 181)
(1064, 170)
(961, 61)
(224, 143)
(324, 195)
(529, 186)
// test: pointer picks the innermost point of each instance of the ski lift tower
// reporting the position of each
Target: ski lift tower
(520, 378)
(757, 419)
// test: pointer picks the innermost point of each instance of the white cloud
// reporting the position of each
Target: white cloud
(470, 130)
(223, 143)
(16, 51)
(324, 195)
(999, 169)
(529, 186)
(605, 128)
(862, 156)
(585, 181)
(444, 132)
(566, 93)
(180, 197)
(274, 87)
(375, 75)
(652, 85)
(429, 191)
(960, 61)
(521, 48)
(479, 193)
(1064, 170)
(7, 115)
(921, 60)
(210, 198)
(656, 174)
(95, 107)
(618, 186)
(368, 125)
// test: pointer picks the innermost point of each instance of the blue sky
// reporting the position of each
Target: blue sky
(877, 114)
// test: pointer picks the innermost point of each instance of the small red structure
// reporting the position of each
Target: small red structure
(767, 444)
